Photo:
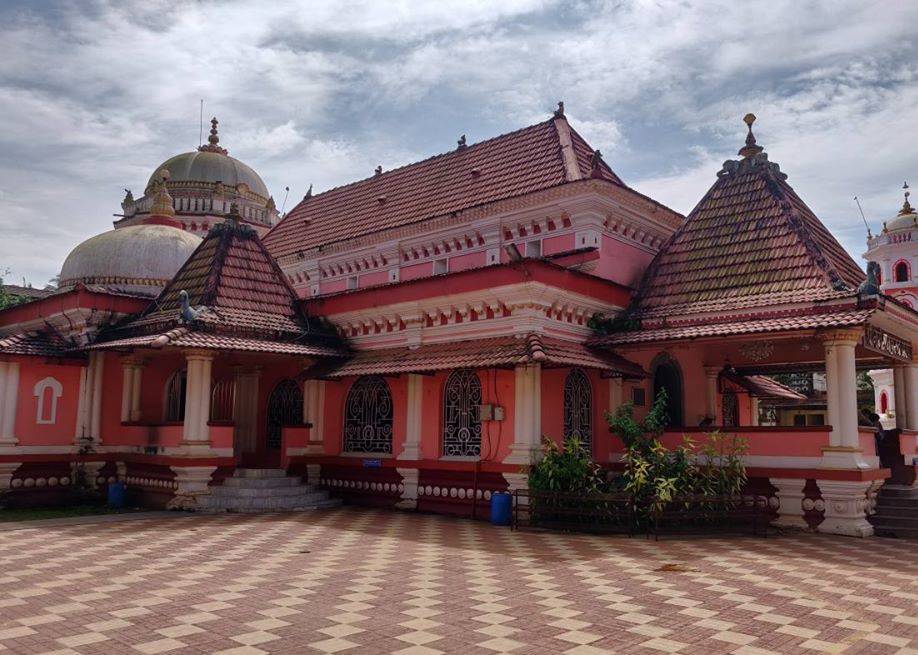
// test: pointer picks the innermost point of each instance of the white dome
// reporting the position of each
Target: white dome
(902, 221)
(140, 258)
(210, 167)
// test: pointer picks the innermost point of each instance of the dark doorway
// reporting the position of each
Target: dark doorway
(666, 375)
(285, 407)
(731, 409)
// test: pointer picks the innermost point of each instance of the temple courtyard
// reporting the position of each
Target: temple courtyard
(369, 581)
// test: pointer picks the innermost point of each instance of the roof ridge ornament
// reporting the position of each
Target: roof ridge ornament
(462, 144)
(596, 164)
(751, 148)
(559, 112)
(906, 206)
(213, 140)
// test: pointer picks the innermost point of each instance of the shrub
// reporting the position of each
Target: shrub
(567, 468)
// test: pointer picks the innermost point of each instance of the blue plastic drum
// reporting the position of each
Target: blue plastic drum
(501, 504)
(117, 494)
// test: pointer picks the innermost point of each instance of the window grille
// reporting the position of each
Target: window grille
(578, 408)
(285, 407)
(223, 400)
(462, 415)
(175, 396)
(368, 417)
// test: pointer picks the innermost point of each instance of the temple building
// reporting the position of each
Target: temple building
(895, 254)
(408, 340)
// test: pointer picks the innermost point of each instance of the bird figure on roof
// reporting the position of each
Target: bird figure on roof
(461, 142)
(188, 313)
(559, 112)
(870, 286)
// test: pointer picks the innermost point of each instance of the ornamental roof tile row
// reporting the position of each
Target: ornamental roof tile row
(482, 353)
(185, 338)
(506, 166)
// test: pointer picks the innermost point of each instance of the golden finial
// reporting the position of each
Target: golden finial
(213, 141)
(162, 201)
(906, 206)
(750, 148)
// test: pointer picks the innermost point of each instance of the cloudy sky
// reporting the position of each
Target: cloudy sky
(93, 96)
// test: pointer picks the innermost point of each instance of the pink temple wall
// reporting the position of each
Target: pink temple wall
(467, 261)
(416, 271)
(62, 431)
(621, 263)
(559, 243)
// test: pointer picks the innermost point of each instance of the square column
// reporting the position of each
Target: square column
(711, 373)
(412, 449)
(527, 432)
(9, 394)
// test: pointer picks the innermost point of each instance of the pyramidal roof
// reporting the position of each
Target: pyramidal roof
(534, 158)
(751, 241)
(237, 298)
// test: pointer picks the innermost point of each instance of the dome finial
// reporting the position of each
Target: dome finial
(906, 206)
(213, 140)
(162, 201)
(751, 148)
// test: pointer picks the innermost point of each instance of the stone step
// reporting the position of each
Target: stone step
(259, 473)
(895, 519)
(263, 492)
(262, 483)
(267, 504)
(898, 491)
(884, 528)
(907, 511)
(325, 504)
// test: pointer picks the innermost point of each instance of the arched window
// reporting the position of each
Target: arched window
(47, 391)
(223, 399)
(578, 408)
(285, 407)
(462, 415)
(884, 403)
(666, 375)
(175, 397)
(901, 272)
(368, 416)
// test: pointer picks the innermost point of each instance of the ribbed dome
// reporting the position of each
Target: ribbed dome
(204, 166)
(139, 257)
(903, 222)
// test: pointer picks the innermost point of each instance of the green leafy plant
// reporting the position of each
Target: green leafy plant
(639, 433)
(567, 468)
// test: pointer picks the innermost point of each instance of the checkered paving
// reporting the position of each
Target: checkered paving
(366, 581)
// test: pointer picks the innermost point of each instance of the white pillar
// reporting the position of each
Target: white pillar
(832, 413)
(96, 362)
(899, 390)
(910, 377)
(412, 449)
(4, 367)
(711, 374)
(790, 493)
(527, 435)
(10, 397)
(192, 395)
(846, 507)
(847, 394)
(204, 398)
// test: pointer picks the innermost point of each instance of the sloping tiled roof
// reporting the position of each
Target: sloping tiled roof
(493, 352)
(40, 344)
(751, 237)
(764, 386)
(506, 166)
(754, 325)
(241, 298)
(29, 293)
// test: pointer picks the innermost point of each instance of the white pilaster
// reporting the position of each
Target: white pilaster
(314, 413)
(616, 393)
(204, 399)
(847, 394)
(711, 373)
(96, 362)
(846, 507)
(9, 391)
(412, 449)
(910, 377)
(790, 493)
(832, 393)
(899, 390)
(192, 397)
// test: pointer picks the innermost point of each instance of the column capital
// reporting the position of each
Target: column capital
(201, 355)
(840, 336)
(712, 371)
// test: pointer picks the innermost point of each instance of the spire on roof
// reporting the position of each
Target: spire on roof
(308, 193)
(213, 140)
(559, 112)
(906, 206)
(750, 148)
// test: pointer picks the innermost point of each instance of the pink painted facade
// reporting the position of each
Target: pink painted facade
(449, 346)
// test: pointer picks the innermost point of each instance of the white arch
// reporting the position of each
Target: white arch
(57, 390)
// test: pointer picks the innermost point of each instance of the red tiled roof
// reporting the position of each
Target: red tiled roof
(185, 338)
(767, 387)
(41, 344)
(241, 299)
(750, 238)
(510, 165)
(802, 321)
(493, 352)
